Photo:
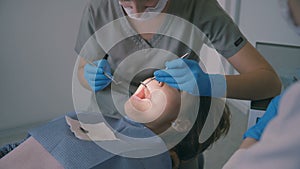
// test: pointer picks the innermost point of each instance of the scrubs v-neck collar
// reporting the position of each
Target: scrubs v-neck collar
(139, 41)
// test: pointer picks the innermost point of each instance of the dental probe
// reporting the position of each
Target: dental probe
(184, 56)
(145, 84)
(105, 74)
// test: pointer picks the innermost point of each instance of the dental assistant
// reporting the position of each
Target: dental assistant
(274, 142)
(257, 79)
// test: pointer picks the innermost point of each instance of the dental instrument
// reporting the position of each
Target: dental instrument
(184, 56)
(105, 74)
(145, 84)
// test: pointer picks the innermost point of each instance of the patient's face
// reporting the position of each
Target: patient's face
(156, 105)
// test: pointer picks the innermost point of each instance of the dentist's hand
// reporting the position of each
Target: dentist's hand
(256, 131)
(95, 75)
(186, 75)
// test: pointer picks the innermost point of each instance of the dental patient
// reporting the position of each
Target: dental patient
(154, 109)
(155, 104)
(158, 106)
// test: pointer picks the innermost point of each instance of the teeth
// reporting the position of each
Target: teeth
(143, 93)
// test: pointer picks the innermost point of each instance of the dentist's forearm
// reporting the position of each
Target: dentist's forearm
(256, 85)
(80, 74)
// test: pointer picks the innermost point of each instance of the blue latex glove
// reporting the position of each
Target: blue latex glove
(95, 75)
(186, 75)
(257, 130)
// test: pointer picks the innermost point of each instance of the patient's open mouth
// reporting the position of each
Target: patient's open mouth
(143, 93)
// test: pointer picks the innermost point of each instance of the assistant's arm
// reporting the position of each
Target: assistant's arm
(248, 142)
(253, 135)
(257, 79)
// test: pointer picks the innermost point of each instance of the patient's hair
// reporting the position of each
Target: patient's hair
(190, 147)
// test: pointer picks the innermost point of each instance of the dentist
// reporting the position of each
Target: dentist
(257, 79)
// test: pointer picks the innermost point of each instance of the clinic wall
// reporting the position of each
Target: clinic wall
(37, 39)
(261, 21)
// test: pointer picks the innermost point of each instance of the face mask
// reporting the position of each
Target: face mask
(285, 10)
(148, 13)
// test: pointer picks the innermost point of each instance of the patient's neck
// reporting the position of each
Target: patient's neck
(158, 129)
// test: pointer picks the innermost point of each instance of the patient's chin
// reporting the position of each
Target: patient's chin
(146, 110)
